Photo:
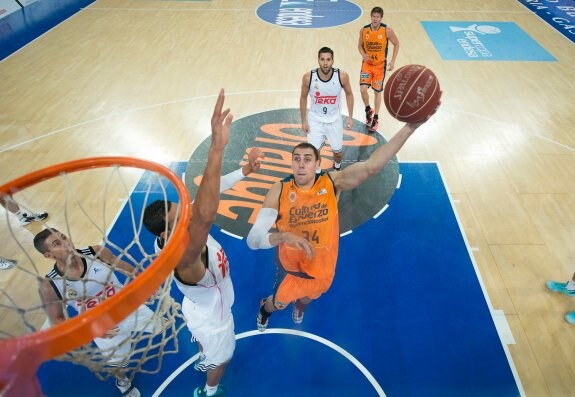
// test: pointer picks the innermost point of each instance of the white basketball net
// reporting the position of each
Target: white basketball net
(84, 206)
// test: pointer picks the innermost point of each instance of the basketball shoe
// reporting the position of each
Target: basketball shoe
(127, 388)
(297, 314)
(26, 218)
(201, 392)
(570, 317)
(7, 263)
(369, 116)
(374, 125)
(261, 320)
(337, 167)
(560, 287)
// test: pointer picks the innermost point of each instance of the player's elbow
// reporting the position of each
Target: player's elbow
(251, 241)
(259, 235)
(254, 240)
(370, 170)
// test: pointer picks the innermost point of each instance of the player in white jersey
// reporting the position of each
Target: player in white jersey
(203, 272)
(207, 307)
(81, 279)
(323, 119)
(206, 304)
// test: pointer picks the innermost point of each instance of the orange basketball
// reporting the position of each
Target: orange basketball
(411, 93)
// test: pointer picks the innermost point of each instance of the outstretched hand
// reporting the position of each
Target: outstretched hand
(255, 157)
(221, 122)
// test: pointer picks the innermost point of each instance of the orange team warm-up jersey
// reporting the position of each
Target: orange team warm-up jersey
(375, 43)
(312, 214)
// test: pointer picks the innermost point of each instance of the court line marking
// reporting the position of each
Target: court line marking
(185, 100)
(521, 131)
(138, 109)
(482, 285)
(284, 331)
(474, 12)
(381, 211)
(167, 9)
(224, 231)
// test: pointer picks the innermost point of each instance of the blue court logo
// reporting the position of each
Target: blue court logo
(308, 13)
(484, 41)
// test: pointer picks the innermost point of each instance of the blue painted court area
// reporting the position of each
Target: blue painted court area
(405, 315)
(484, 41)
(24, 26)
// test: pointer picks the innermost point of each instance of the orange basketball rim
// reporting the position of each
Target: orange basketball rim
(22, 355)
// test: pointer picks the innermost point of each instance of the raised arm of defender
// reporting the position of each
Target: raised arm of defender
(207, 198)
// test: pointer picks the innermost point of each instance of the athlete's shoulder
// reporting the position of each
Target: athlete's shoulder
(328, 175)
(159, 243)
(87, 251)
(53, 273)
(212, 242)
(331, 177)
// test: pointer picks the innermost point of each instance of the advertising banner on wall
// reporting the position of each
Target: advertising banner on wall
(558, 13)
(26, 2)
(7, 7)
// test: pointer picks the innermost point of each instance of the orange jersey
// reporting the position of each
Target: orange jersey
(312, 214)
(375, 43)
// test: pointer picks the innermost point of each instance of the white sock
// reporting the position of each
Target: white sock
(337, 165)
(211, 390)
(571, 285)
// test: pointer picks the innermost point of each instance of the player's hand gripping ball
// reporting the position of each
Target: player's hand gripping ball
(412, 93)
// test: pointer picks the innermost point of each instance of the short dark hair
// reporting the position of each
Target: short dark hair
(306, 145)
(377, 10)
(155, 216)
(40, 239)
(325, 50)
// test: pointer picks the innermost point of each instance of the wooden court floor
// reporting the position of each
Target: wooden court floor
(139, 78)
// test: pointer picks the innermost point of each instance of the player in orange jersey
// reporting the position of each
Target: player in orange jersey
(373, 46)
(303, 208)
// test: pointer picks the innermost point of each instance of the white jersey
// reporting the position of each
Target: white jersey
(97, 283)
(213, 296)
(325, 97)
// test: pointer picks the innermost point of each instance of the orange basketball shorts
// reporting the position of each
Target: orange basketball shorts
(372, 75)
(290, 287)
